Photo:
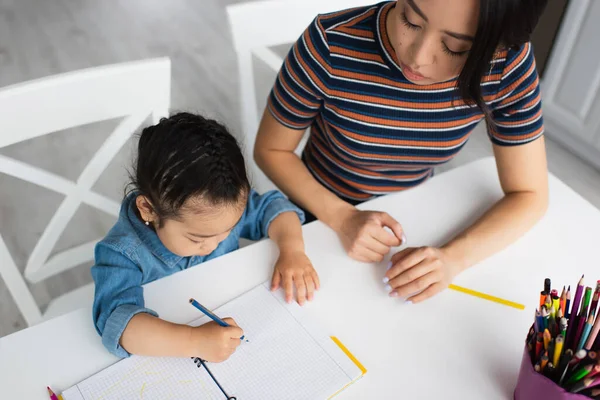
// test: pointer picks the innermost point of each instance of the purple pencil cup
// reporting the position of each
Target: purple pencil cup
(532, 385)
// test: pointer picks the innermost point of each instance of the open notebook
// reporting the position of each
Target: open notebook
(287, 357)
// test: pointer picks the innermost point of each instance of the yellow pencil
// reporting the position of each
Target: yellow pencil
(558, 348)
(487, 297)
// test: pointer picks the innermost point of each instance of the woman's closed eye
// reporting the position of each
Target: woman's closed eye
(453, 53)
(407, 23)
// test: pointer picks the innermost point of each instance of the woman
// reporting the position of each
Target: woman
(391, 91)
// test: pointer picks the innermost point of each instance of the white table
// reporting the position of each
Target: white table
(454, 346)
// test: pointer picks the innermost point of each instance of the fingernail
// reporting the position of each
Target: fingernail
(394, 294)
(386, 279)
(403, 238)
(388, 288)
(408, 302)
(389, 265)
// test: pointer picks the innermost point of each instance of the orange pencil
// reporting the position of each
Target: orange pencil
(563, 300)
(544, 361)
(547, 338)
(543, 295)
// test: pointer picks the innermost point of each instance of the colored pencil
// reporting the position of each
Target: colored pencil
(563, 327)
(544, 361)
(573, 323)
(547, 338)
(578, 294)
(543, 295)
(596, 298)
(581, 322)
(579, 374)
(585, 384)
(545, 318)
(539, 322)
(564, 365)
(586, 332)
(558, 349)
(563, 301)
(210, 314)
(568, 303)
(51, 394)
(593, 334)
(585, 305)
(486, 297)
(539, 345)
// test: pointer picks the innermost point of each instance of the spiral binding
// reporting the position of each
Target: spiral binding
(201, 363)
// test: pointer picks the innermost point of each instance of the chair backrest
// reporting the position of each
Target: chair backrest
(256, 26)
(134, 90)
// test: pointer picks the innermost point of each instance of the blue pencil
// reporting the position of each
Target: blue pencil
(210, 314)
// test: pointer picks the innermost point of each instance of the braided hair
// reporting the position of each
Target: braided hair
(188, 156)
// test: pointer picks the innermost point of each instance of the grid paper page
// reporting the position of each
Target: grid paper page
(148, 378)
(282, 359)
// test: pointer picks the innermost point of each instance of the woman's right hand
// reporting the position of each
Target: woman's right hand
(216, 343)
(364, 235)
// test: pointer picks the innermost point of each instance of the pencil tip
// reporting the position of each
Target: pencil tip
(191, 300)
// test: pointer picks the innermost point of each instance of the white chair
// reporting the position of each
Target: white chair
(135, 91)
(256, 26)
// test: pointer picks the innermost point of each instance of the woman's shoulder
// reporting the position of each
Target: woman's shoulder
(515, 61)
(509, 69)
(348, 17)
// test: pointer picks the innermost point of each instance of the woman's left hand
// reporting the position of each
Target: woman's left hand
(293, 268)
(420, 273)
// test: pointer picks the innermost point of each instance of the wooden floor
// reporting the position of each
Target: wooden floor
(41, 37)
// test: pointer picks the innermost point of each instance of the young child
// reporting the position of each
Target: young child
(192, 202)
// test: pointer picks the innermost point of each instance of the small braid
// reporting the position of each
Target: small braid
(187, 156)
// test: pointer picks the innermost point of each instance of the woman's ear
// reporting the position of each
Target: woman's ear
(145, 208)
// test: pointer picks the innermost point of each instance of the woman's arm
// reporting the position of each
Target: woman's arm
(523, 176)
(524, 179)
(361, 232)
(274, 154)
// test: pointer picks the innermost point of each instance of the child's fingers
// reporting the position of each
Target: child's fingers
(310, 287)
(316, 280)
(276, 280)
(288, 286)
(300, 288)
(230, 321)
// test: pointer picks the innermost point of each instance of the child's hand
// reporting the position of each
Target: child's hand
(216, 343)
(294, 268)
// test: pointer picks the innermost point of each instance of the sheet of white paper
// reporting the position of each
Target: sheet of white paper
(285, 357)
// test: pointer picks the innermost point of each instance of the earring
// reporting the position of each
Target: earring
(147, 223)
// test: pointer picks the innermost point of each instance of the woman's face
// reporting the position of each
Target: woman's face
(432, 38)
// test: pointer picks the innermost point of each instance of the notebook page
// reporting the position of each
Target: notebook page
(285, 357)
(281, 359)
(148, 378)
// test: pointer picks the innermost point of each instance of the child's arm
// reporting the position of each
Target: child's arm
(127, 327)
(293, 268)
(273, 215)
(148, 335)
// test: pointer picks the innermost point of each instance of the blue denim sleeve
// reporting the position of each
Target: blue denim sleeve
(261, 210)
(118, 296)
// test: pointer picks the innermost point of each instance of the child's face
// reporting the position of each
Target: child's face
(198, 233)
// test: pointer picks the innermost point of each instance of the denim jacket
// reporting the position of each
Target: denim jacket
(132, 254)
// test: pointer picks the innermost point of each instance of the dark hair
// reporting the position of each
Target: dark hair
(186, 156)
(502, 23)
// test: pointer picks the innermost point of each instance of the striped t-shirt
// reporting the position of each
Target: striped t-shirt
(372, 131)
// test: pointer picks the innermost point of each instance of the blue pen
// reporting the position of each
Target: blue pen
(210, 314)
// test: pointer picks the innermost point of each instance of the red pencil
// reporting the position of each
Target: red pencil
(51, 393)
